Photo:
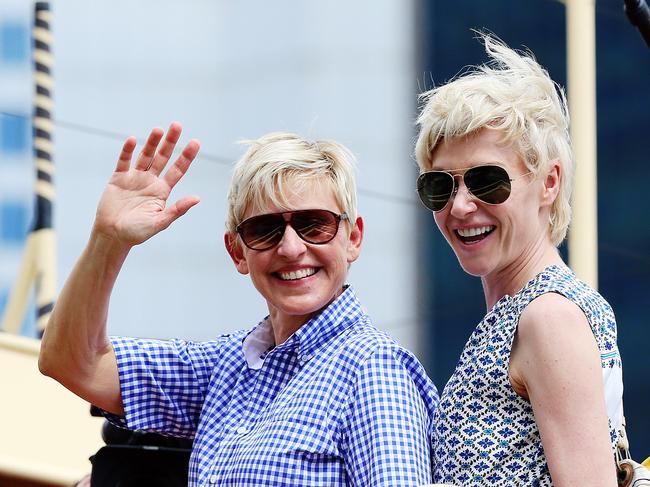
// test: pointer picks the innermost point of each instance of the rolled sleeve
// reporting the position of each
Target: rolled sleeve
(163, 383)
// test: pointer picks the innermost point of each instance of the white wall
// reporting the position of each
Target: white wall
(229, 70)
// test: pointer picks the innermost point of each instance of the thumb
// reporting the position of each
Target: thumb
(178, 209)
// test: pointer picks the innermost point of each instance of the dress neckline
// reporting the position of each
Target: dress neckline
(506, 299)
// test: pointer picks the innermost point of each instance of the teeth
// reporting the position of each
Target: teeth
(290, 276)
(473, 232)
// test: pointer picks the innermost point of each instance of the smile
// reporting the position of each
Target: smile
(472, 235)
(299, 274)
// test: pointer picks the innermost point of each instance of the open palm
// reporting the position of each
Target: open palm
(134, 205)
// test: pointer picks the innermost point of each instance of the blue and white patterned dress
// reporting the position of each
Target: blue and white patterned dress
(485, 434)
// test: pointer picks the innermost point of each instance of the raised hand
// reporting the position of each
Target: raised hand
(134, 205)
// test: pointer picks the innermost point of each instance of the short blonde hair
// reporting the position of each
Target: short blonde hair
(513, 94)
(278, 158)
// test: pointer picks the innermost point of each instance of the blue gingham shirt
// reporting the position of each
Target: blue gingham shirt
(339, 403)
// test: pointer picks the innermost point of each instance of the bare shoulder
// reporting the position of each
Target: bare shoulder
(555, 365)
(554, 317)
(553, 341)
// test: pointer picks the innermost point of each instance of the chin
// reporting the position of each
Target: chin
(475, 269)
(302, 308)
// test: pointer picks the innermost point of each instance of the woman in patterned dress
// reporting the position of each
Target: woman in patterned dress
(536, 397)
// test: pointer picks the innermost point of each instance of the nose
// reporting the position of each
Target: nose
(291, 245)
(462, 201)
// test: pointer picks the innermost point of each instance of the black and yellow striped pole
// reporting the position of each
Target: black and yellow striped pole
(39, 260)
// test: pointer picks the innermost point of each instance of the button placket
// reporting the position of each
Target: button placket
(303, 359)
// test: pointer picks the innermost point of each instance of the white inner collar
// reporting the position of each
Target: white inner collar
(257, 343)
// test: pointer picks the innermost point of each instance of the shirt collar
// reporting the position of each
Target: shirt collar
(329, 323)
(334, 319)
(257, 343)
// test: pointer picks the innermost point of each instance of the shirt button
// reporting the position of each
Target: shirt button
(242, 430)
(213, 479)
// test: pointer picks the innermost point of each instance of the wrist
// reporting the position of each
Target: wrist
(103, 247)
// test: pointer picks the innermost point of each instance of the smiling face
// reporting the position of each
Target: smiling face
(297, 278)
(493, 240)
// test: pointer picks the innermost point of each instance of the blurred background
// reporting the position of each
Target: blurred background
(351, 71)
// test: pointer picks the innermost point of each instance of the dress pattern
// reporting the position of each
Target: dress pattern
(484, 433)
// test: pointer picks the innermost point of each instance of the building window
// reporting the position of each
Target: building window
(14, 132)
(4, 296)
(13, 222)
(14, 42)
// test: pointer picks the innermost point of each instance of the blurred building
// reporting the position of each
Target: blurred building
(228, 71)
(16, 167)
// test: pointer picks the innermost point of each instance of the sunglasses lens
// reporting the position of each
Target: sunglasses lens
(490, 184)
(435, 189)
(315, 226)
(265, 231)
(262, 232)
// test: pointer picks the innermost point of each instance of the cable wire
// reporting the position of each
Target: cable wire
(222, 160)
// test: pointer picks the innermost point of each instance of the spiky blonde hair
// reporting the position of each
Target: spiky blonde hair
(514, 95)
(277, 159)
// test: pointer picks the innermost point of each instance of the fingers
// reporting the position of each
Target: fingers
(182, 164)
(154, 160)
(124, 160)
(145, 159)
(166, 149)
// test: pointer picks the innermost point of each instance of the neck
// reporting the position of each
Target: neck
(286, 325)
(511, 279)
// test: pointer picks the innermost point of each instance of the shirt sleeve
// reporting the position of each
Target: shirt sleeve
(387, 435)
(163, 383)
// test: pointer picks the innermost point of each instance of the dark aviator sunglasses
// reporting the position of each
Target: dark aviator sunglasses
(488, 182)
(263, 232)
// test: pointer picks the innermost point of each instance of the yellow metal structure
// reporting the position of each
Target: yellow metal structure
(47, 432)
(581, 69)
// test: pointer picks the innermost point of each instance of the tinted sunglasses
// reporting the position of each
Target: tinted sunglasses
(489, 183)
(313, 226)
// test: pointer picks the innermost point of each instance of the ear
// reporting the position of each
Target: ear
(551, 184)
(234, 248)
(355, 240)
